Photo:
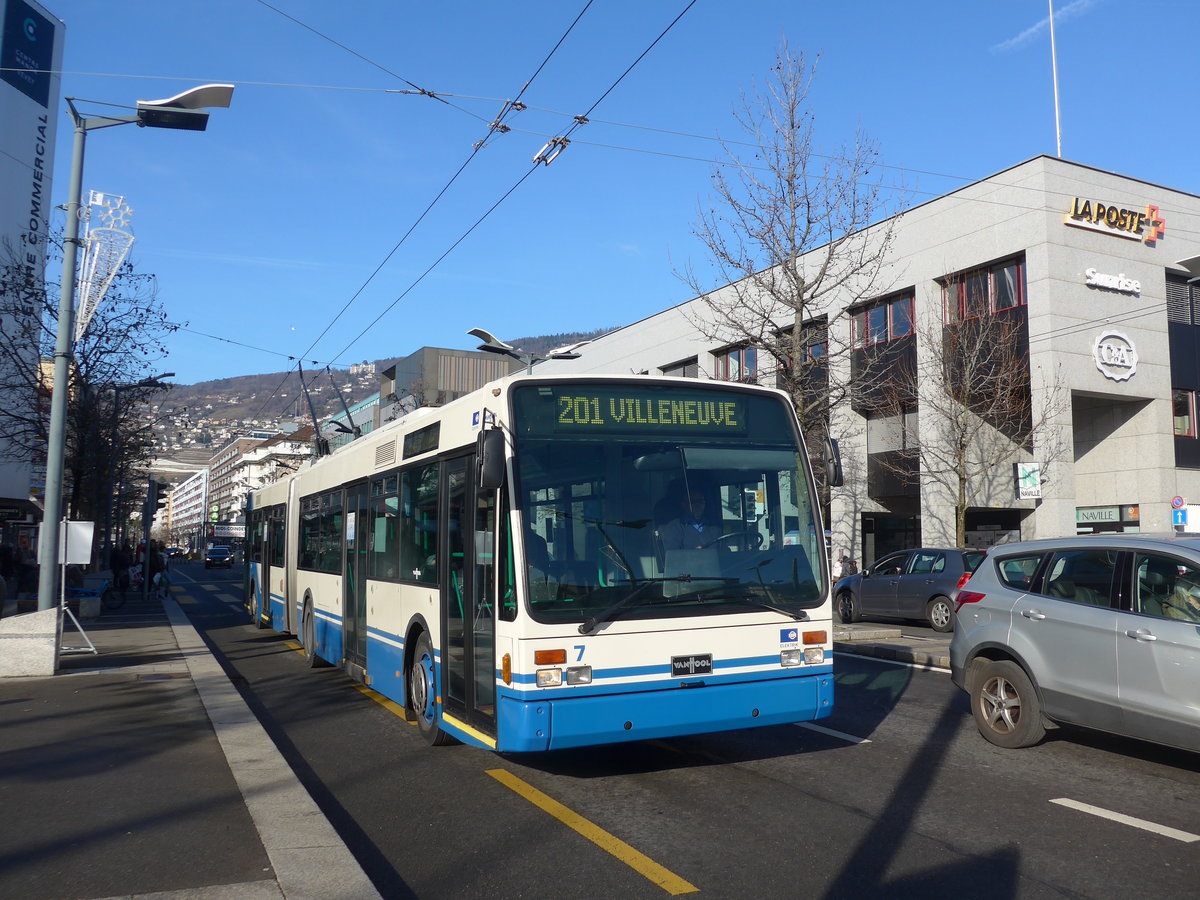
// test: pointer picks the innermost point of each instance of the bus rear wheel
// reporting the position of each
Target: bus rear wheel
(422, 692)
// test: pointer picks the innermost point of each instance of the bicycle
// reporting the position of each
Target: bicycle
(112, 595)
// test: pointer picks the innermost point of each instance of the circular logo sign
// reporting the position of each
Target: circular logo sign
(1115, 355)
(1177, 503)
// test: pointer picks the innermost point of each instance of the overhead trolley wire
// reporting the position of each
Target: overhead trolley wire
(539, 159)
(496, 125)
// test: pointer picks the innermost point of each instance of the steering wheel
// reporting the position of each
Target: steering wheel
(755, 539)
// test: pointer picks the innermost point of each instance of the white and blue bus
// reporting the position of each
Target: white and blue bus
(557, 562)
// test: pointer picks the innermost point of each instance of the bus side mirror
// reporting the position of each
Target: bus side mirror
(489, 458)
(833, 463)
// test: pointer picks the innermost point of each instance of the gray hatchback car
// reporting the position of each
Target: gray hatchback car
(1100, 631)
(910, 584)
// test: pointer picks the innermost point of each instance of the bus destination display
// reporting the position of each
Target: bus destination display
(614, 410)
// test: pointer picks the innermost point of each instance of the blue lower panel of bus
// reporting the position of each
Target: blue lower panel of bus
(385, 663)
(328, 633)
(278, 612)
(526, 726)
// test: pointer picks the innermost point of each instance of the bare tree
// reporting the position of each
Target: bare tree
(980, 410)
(788, 234)
(108, 430)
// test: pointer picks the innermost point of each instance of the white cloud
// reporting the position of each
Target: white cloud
(1071, 11)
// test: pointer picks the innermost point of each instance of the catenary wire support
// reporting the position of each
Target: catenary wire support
(550, 151)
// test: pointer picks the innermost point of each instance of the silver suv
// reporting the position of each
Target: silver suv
(1101, 631)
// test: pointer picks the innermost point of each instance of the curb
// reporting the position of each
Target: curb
(308, 856)
(928, 659)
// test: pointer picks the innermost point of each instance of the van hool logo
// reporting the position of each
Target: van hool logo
(1115, 355)
(1146, 225)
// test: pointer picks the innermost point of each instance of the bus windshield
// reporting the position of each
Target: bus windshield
(643, 501)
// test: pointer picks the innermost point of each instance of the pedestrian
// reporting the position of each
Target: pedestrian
(119, 562)
(8, 566)
(836, 569)
(849, 567)
(158, 563)
(27, 567)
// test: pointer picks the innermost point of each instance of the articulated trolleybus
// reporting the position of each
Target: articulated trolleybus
(557, 562)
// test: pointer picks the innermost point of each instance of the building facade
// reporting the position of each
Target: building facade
(1087, 272)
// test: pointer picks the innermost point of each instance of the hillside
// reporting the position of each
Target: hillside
(206, 414)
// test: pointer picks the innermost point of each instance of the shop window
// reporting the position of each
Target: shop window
(1183, 410)
(736, 364)
(884, 320)
(980, 292)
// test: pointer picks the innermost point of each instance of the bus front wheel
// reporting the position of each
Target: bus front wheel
(422, 692)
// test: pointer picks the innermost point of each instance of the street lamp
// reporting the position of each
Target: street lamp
(183, 111)
(493, 344)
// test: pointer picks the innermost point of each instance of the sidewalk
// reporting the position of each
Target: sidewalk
(141, 772)
(888, 642)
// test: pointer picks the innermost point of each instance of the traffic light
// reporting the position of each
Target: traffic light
(156, 499)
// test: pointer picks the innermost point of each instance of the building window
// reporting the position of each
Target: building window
(886, 434)
(736, 364)
(884, 320)
(689, 368)
(1183, 408)
(980, 292)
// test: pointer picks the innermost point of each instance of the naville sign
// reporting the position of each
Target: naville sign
(1029, 480)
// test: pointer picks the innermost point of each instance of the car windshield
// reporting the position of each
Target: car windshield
(629, 512)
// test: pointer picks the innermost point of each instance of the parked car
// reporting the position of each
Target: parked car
(1101, 631)
(911, 584)
(218, 558)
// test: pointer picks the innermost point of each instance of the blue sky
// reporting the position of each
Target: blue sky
(263, 228)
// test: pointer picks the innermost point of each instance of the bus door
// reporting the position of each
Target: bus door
(354, 584)
(468, 591)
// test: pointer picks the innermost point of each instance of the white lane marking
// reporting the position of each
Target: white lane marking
(1173, 833)
(921, 667)
(849, 738)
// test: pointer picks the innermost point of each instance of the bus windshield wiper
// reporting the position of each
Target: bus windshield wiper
(628, 600)
(754, 601)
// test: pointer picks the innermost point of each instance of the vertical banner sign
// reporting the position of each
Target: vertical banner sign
(31, 42)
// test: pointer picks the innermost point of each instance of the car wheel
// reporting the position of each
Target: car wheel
(847, 607)
(422, 693)
(940, 614)
(1006, 706)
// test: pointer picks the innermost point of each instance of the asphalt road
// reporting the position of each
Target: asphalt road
(895, 795)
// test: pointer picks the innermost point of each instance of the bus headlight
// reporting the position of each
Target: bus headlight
(579, 675)
(814, 655)
(549, 677)
(791, 657)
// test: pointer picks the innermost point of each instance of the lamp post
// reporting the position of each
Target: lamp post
(183, 111)
(493, 344)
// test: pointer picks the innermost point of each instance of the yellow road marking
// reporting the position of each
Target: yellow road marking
(390, 705)
(639, 862)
